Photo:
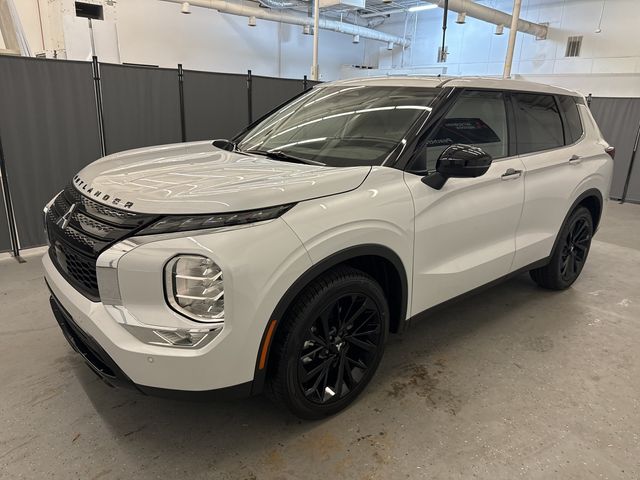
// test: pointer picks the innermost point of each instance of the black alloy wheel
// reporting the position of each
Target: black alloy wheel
(575, 249)
(339, 348)
(329, 344)
(570, 254)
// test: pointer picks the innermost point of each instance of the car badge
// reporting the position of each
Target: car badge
(64, 220)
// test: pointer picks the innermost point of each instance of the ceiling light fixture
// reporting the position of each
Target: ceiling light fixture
(390, 46)
(186, 8)
(499, 29)
(252, 21)
(356, 39)
(306, 29)
(426, 6)
(462, 17)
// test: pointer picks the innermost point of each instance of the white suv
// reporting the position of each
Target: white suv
(281, 260)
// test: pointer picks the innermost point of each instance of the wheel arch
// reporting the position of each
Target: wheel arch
(379, 261)
(593, 201)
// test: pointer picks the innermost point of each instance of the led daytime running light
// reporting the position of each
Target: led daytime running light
(182, 223)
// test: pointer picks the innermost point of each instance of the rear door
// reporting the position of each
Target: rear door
(465, 232)
(548, 133)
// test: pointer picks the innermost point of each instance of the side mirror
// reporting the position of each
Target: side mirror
(458, 161)
(224, 144)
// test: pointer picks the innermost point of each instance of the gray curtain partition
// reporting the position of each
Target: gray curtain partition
(50, 130)
(141, 106)
(268, 93)
(215, 105)
(619, 120)
(5, 241)
(48, 124)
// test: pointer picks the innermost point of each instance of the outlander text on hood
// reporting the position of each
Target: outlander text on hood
(279, 261)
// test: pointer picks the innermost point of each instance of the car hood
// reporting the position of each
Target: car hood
(199, 178)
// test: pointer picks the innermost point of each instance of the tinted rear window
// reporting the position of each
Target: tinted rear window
(538, 123)
(573, 125)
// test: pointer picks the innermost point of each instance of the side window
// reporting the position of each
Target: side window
(573, 125)
(478, 118)
(538, 123)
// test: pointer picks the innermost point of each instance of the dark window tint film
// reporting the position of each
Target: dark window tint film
(479, 119)
(539, 126)
(573, 125)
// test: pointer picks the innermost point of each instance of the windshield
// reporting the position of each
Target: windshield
(341, 126)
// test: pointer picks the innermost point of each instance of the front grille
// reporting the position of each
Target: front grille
(90, 229)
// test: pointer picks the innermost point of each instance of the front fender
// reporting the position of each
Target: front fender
(377, 219)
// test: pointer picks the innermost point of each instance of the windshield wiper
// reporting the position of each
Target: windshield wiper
(280, 155)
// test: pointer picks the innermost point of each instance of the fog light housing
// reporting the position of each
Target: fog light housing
(194, 288)
(174, 337)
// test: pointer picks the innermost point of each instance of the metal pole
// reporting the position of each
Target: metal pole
(249, 97)
(630, 171)
(95, 65)
(93, 42)
(315, 74)
(443, 49)
(513, 31)
(8, 206)
(305, 83)
(181, 92)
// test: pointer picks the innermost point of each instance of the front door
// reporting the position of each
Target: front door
(465, 232)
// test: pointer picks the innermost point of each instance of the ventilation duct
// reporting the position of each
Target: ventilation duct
(491, 15)
(279, 4)
(295, 18)
(486, 14)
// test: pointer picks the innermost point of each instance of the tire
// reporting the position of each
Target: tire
(569, 255)
(331, 343)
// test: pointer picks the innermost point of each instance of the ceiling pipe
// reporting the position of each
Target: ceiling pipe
(278, 4)
(374, 22)
(486, 14)
(491, 15)
(295, 18)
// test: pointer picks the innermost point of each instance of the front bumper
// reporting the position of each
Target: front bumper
(254, 283)
(103, 365)
(94, 355)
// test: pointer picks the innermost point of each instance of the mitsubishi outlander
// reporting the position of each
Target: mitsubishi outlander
(280, 260)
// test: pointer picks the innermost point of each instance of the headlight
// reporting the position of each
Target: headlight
(194, 287)
(181, 223)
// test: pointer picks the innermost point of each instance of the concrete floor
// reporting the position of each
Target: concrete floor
(516, 382)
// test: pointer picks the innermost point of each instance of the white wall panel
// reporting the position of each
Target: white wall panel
(156, 33)
(615, 50)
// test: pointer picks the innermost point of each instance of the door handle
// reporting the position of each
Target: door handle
(511, 174)
(575, 159)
